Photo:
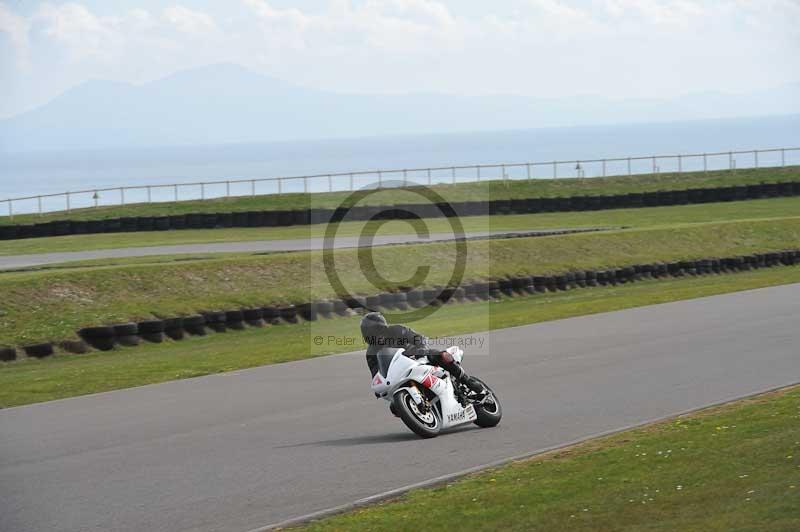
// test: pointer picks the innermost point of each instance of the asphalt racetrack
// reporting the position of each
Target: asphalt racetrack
(254, 246)
(241, 450)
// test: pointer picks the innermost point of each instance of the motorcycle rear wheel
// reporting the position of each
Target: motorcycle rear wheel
(423, 424)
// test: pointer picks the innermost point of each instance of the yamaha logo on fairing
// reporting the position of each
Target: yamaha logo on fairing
(458, 416)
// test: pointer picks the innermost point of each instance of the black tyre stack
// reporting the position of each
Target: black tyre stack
(7, 354)
(152, 330)
(102, 338)
(39, 350)
(174, 328)
(195, 325)
(127, 334)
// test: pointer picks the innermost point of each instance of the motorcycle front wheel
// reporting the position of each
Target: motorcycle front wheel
(423, 423)
(489, 410)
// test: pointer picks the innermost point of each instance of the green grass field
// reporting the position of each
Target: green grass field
(485, 190)
(52, 304)
(637, 218)
(31, 380)
(734, 467)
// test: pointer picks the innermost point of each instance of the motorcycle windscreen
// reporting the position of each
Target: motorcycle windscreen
(385, 357)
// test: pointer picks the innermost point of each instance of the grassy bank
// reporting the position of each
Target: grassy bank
(30, 380)
(491, 189)
(645, 217)
(51, 305)
(733, 467)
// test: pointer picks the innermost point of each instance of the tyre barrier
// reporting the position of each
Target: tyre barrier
(105, 338)
(271, 315)
(102, 338)
(194, 325)
(415, 298)
(254, 317)
(386, 300)
(173, 328)
(152, 330)
(307, 311)
(465, 208)
(127, 334)
(7, 354)
(324, 308)
(373, 302)
(340, 307)
(215, 321)
(76, 347)
(234, 319)
(39, 350)
(289, 314)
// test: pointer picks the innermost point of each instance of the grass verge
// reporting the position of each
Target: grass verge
(637, 218)
(726, 468)
(491, 189)
(51, 305)
(31, 381)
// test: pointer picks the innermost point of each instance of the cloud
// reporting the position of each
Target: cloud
(538, 47)
(16, 27)
(189, 21)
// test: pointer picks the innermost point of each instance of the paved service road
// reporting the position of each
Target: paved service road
(249, 448)
(254, 246)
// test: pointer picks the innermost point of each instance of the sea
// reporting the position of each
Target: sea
(42, 173)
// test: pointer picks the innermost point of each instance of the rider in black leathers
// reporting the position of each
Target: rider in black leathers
(378, 334)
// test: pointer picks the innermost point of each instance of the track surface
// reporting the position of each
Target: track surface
(245, 449)
(254, 246)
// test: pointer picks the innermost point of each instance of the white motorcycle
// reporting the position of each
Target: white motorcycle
(427, 398)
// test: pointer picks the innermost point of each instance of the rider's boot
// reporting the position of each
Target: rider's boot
(471, 382)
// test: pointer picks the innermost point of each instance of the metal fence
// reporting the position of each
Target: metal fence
(348, 181)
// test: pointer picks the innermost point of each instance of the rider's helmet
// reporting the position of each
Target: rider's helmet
(373, 325)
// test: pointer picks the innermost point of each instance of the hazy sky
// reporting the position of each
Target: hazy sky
(616, 48)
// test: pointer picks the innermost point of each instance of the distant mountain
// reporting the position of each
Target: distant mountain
(224, 103)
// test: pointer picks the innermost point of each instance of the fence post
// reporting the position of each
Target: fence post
(478, 167)
(755, 157)
(175, 190)
(122, 195)
(503, 172)
(405, 178)
(68, 205)
(253, 187)
(680, 164)
(380, 179)
(330, 183)
(730, 160)
(149, 194)
(783, 157)
(629, 166)
(604, 167)
(280, 186)
(227, 189)
(454, 174)
(39, 201)
(10, 211)
(654, 165)
(555, 170)
(202, 191)
(705, 163)
(429, 177)
(528, 170)
(96, 198)
(305, 185)
(351, 182)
